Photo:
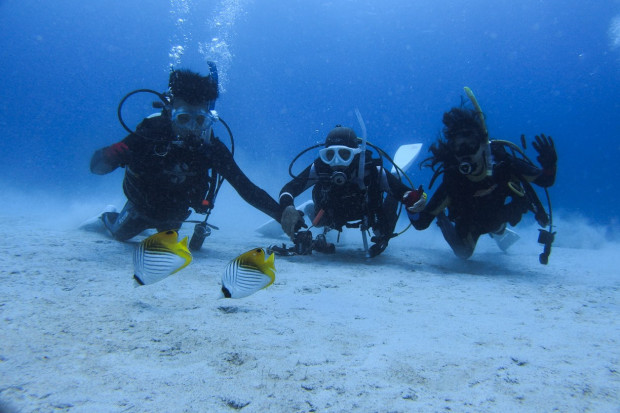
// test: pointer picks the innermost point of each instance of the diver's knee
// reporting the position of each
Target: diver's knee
(463, 252)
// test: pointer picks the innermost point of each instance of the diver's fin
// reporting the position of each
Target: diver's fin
(273, 229)
(282, 251)
(405, 156)
(505, 239)
(95, 224)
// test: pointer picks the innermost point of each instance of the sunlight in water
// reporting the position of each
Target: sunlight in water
(218, 48)
(179, 9)
(219, 29)
(614, 32)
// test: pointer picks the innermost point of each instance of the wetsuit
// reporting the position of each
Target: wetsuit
(345, 203)
(163, 179)
(485, 204)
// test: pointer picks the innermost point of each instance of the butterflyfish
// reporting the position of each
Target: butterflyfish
(159, 256)
(248, 273)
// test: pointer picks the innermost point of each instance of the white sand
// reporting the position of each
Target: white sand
(412, 330)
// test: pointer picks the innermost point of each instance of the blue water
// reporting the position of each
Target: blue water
(292, 70)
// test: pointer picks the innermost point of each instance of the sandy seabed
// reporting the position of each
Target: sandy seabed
(414, 329)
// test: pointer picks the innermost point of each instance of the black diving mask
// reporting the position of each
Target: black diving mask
(466, 148)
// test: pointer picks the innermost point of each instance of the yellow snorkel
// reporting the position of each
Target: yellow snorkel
(487, 150)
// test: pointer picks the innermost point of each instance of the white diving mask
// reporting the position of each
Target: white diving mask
(338, 155)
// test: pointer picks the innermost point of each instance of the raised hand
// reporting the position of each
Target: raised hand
(547, 156)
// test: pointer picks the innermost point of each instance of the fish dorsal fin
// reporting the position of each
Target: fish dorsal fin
(184, 242)
(271, 260)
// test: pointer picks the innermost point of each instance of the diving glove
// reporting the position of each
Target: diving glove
(292, 220)
(415, 200)
(547, 156)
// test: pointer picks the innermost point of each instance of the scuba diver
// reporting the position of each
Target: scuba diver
(342, 199)
(174, 162)
(486, 184)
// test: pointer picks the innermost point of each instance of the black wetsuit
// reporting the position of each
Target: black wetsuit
(164, 179)
(483, 206)
(342, 204)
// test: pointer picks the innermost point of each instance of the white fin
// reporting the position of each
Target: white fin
(95, 224)
(273, 229)
(405, 156)
(505, 239)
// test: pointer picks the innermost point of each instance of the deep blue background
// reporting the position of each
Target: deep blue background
(299, 67)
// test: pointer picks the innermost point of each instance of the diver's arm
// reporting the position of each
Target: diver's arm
(413, 199)
(393, 186)
(107, 159)
(548, 159)
(546, 178)
(438, 202)
(226, 166)
(296, 187)
(121, 153)
(541, 177)
(99, 163)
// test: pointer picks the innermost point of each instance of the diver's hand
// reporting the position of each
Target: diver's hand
(117, 153)
(292, 220)
(547, 156)
(415, 200)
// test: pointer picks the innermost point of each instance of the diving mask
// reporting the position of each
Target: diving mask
(338, 155)
(193, 122)
(465, 147)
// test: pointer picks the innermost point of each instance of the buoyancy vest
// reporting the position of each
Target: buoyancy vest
(347, 202)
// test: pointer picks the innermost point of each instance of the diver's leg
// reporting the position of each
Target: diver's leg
(174, 223)
(390, 214)
(125, 224)
(384, 228)
(463, 245)
(504, 237)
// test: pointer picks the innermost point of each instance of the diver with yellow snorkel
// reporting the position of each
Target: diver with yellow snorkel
(486, 184)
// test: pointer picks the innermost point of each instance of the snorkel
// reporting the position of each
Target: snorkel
(360, 177)
(488, 157)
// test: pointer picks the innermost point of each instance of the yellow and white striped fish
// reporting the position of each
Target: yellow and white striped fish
(248, 273)
(159, 256)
